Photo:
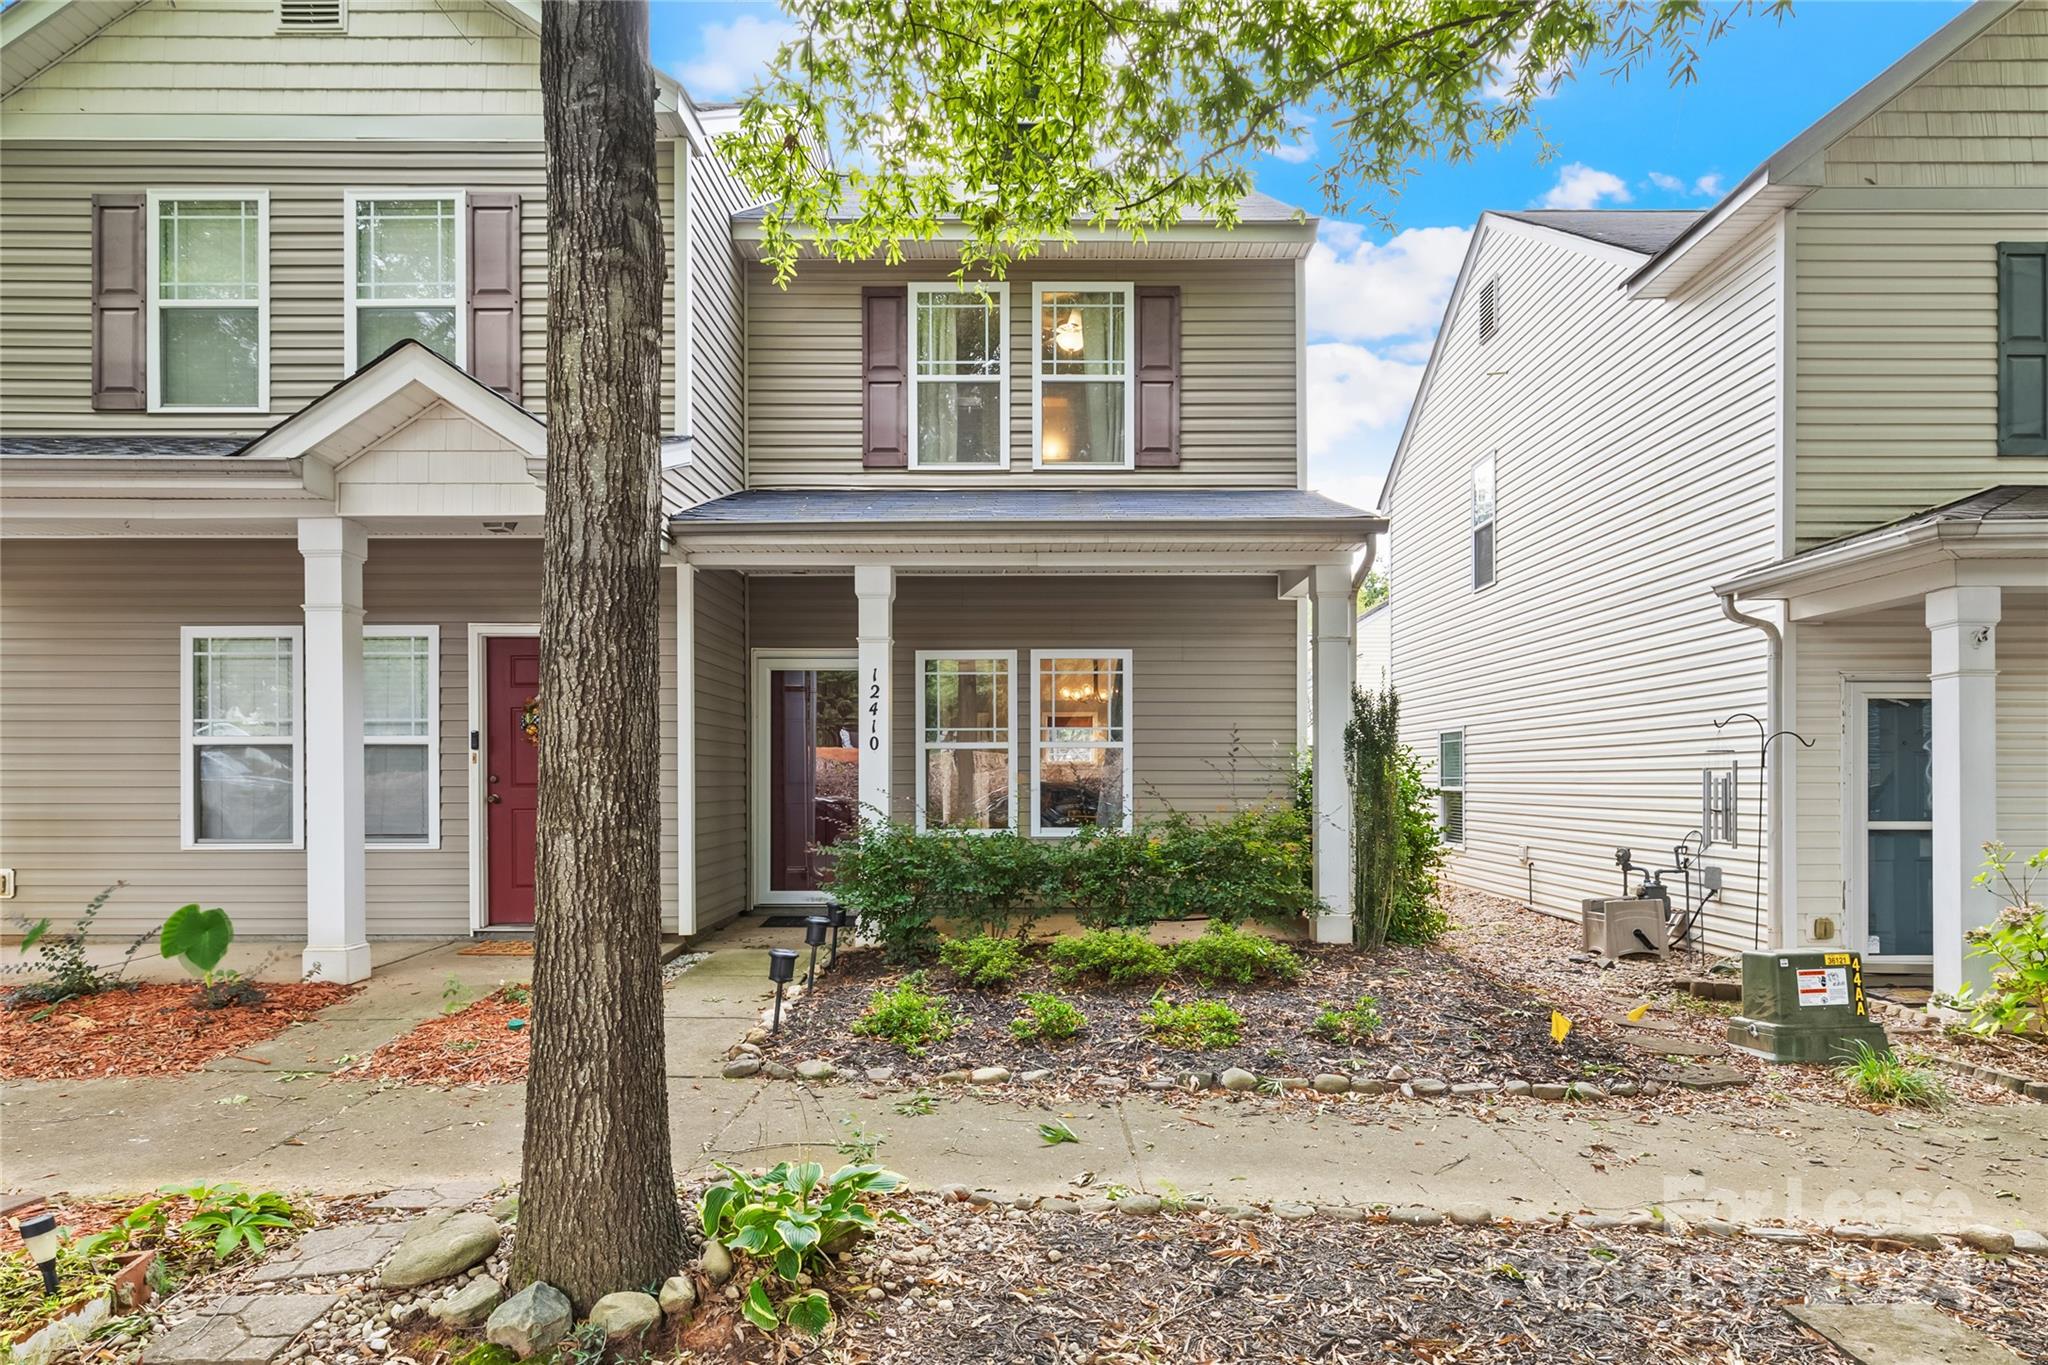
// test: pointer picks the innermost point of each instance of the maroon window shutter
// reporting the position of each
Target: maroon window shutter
(1158, 376)
(120, 317)
(494, 291)
(885, 377)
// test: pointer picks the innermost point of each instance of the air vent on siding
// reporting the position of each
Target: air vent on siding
(1489, 309)
(312, 16)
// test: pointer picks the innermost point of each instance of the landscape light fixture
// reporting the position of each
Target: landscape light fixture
(815, 927)
(39, 1235)
(781, 967)
(837, 914)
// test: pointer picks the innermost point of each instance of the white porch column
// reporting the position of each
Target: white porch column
(337, 939)
(1962, 624)
(686, 740)
(874, 588)
(1334, 661)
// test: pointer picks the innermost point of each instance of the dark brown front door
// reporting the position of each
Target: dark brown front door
(813, 773)
(511, 776)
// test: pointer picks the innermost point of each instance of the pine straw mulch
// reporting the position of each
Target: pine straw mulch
(1441, 1017)
(476, 1045)
(148, 1030)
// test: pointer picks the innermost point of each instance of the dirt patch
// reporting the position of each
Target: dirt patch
(485, 1043)
(148, 1030)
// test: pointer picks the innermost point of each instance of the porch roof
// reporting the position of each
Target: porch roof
(801, 509)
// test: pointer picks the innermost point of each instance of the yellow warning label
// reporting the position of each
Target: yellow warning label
(1838, 959)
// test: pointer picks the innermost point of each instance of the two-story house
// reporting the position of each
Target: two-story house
(1678, 481)
(1033, 555)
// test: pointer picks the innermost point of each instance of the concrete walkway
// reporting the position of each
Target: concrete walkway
(286, 1125)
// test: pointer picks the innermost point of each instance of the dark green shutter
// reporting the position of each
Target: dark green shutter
(2023, 348)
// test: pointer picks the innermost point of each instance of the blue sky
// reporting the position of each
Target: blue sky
(1375, 294)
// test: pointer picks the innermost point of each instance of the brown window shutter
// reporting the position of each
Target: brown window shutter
(494, 291)
(120, 315)
(885, 377)
(1158, 376)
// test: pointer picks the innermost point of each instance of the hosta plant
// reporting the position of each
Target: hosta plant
(786, 1219)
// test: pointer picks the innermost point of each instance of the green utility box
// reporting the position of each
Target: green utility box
(1804, 1007)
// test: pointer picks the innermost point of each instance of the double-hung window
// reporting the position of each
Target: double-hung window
(967, 755)
(1081, 744)
(406, 256)
(243, 773)
(401, 714)
(959, 376)
(1482, 523)
(1450, 782)
(209, 300)
(1082, 391)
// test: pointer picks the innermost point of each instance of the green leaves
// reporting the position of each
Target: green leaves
(809, 1313)
(1054, 1133)
(758, 1309)
(786, 1218)
(198, 938)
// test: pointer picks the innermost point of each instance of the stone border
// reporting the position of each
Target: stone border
(1935, 1017)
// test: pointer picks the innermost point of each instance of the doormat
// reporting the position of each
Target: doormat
(498, 947)
(784, 922)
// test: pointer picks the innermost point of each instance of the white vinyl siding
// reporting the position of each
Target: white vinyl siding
(209, 301)
(401, 730)
(1080, 740)
(967, 740)
(242, 774)
(405, 273)
(1083, 399)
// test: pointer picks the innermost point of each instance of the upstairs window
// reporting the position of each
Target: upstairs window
(959, 376)
(1450, 782)
(209, 301)
(405, 274)
(2023, 348)
(1081, 759)
(1482, 523)
(1082, 390)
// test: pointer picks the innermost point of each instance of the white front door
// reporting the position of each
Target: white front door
(1888, 802)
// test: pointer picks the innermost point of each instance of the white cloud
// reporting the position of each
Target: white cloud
(732, 56)
(1501, 84)
(1704, 187)
(1579, 186)
(1708, 186)
(1357, 401)
(1297, 151)
(1359, 290)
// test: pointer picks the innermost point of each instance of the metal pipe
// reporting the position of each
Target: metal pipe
(1773, 780)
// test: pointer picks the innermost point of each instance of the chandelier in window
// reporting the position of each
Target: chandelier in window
(1067, 335)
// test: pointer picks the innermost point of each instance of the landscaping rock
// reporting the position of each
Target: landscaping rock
(1368, 1085)
(1197, 1080)
(881, 1075)
(678, 1295)
(1398, 1074)
(1330, 1083)
(989, 1075)
(812, 1069)
(739, 1068)
(1473, 1089)
(1238, 1079)
(1415, 1217)
(776, 1071)
(1341, 1213)
(531, 1321)
(1428, 1088)
(1515, 1088)
(626, 1315)
(1034, 1077)
(1548, 1090)
(468, 1304)
(1292, 1082)
(954, 1077)
(506, 1210)
(2027, 1242)
(716, 1261)
(1586, 1090)
(1790, 1237)
(441, 1245)
(1624, 1088)
(1294, 1213)
(1983, 1237)
(1471, 1215)
(1140, 1204)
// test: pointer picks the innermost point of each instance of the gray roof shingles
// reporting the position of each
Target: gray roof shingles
(119, 447)
(1646, 230)
(766, 507)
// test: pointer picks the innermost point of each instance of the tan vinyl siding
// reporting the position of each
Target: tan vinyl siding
(1634, 450)
(1978, 120)
(721, 626)
(1212, 667)
(89, 724)
(1893, 646)
(717, 325)
(1238, 372)
(1896, 394)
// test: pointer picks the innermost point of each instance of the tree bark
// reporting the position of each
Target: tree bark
(598, 1208)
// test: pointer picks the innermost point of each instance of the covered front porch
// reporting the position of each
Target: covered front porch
(1917, 659)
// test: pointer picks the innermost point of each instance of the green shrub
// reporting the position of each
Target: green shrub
(1048, 1019)
(1255, 865)
(61, 961)
(1114, 956)
(986, 962)
(1398, 852)
(1349, 1027)
(1194, 1027)
(2017, 944)
(908, 1016)
(1886, 1078)
(898, 883)
(1228, 956)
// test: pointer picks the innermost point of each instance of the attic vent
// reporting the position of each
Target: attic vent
(1489, 309)
(312, 16)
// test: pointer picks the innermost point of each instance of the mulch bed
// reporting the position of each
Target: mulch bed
(476, 1045)
(1442, 1017)
(148, 1030)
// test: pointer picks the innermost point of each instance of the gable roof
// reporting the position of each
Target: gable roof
(1644, 230)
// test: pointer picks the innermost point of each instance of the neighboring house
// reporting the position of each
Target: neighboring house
(1819, 404)
(1376, 647)
(272, 413)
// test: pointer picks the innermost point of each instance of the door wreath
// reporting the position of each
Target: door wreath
(529, 721)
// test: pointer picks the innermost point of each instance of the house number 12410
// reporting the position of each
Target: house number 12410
(875, 709)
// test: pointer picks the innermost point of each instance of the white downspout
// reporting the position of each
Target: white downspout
(1774, 648)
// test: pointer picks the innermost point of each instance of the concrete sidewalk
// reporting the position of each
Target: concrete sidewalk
(265, 1126)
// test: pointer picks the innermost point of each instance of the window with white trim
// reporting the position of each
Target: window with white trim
(1081, 740)
(959, 375)
(967, 753)
(242, 765)
(1482, 523)
(1081, 386)
(401, 727)
(1450, 783)
(405, 263)
(209, 301)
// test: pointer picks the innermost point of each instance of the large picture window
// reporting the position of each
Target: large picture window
(401, 721)
(405, 273)
(209, 301)
(243, 774)
(958, 416)
(1081, 746)
(1082, 387)
(967, 756)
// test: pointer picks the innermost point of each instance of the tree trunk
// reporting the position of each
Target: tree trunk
(598, 1207)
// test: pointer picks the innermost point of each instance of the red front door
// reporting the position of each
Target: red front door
(511, 776)
(814, 773)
